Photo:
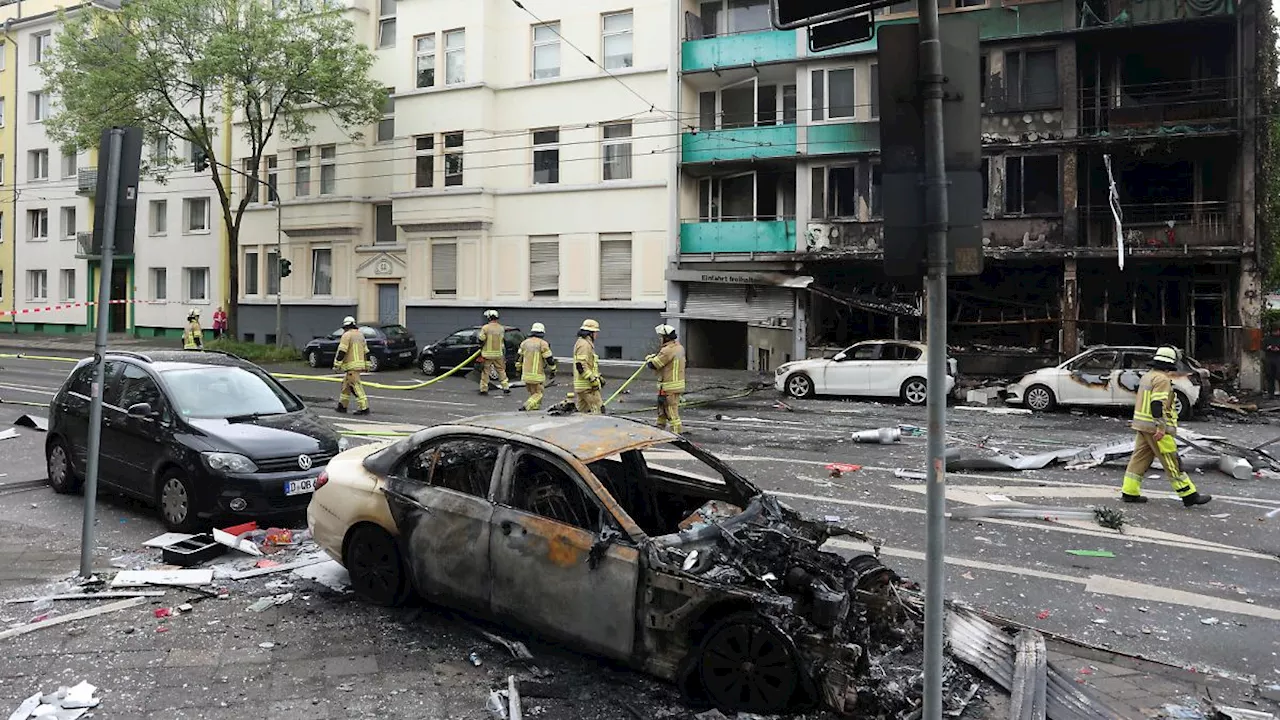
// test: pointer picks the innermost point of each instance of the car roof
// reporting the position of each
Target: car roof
(908, 343)
(162, 360)
(586, 437)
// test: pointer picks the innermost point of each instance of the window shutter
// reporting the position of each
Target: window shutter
(544, 268)
(615, 268)
(444, 269)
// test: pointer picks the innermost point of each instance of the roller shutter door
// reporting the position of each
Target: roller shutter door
(744, 303)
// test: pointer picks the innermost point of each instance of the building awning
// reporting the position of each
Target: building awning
(736, 277)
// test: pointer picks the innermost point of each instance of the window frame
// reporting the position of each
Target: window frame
(70, 165)
(329, 166)
(39, 106)
(271, 187)
(1022, 183)
(252, 286)
(188, 215)
(273, 272)
(507, 490)
(39, 165)
(386, 25)
(302, 172)
(159, 278)
(553, 26)
(606, 34)
(65, 212)
(377, 224)
(37, 221)
(1020, 102)
(544, 240)
(418, 55)
(454, 152)
(424, 159)
(433, 446)
(460, 49)
(386, 131)
(158, 210)
(41, 42)
(38, 279)
(551, 147)
(607, 143)
(316, 253)
(188, 275)
(435, 291)
(822, 106)
(618, 238)
(67, 284)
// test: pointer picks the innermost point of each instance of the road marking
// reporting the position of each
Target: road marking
(29, 389)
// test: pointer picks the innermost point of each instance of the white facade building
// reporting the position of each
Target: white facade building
(510, 172)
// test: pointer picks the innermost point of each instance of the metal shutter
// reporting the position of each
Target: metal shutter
(444, 269)
(738, 302)
(615, 269)
(544, 268)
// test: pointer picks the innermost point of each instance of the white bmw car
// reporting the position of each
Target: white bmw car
(875, 368)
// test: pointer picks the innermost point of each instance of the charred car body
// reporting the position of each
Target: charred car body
(593, 530)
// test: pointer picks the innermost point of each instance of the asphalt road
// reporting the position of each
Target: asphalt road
(1192, 587)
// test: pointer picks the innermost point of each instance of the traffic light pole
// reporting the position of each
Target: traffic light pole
(279, 278)
(936, 222)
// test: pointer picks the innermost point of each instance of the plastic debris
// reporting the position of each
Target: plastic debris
(1183, 712)
(266, 645)
(1210, 621)
(1042, 615)
(1026, 512)
(269, 602)
(1092, 553)
(1233, 713)
(474, 659)
(838, 469)
(163, 612)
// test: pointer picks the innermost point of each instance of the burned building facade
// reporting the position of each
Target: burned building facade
(779, 194)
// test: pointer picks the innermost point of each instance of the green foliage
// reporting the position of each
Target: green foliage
(254, 352)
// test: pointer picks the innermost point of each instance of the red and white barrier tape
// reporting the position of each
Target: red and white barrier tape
(71, 306)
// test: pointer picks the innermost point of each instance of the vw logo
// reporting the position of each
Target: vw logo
(304, 462)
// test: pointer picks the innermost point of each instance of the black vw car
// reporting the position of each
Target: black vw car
(446, 353)
(200, 434)
(390, 346)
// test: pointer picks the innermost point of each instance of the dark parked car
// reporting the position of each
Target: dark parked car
(201, 434)
(389, 346)
(446, 353)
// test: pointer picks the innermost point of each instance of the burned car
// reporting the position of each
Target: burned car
(628, 542)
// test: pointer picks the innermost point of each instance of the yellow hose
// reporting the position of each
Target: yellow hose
(21, 356)
(624, 385)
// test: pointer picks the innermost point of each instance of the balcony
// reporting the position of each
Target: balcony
(751, 143)
(1168, 226)
(737, 50)
(87, 182)
(833, 139)
(84, 245)
(1120, 13)
(1171, 107)
(747, 236)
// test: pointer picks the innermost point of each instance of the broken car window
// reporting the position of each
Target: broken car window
(542, 488)
(465, 466)
(661, 487)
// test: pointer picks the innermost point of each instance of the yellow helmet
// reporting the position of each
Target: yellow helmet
(590, 325)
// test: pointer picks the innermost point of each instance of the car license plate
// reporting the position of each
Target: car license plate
(300, 487)
(406, 353)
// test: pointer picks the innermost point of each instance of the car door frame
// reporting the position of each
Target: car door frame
(853, 371)
(139, 441)
(886, 375)
(1074, 389)
(1122, 380)
(113, 469)
(580, 574)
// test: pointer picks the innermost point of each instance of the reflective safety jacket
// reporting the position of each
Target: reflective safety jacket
(193, 336)
(1155, 386)
(492, 341)
(353, 352)
(534, 354)
(669, 362)
(586, 365)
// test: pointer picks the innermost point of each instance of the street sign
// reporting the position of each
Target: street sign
(854, 29)
(792, 14)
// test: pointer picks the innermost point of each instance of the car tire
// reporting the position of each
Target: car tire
(377, 570)
(372, 363)
(428, 366)
(175, 499)
(799, 386)
(313, 358)
(62, 472)
(915, 391)
(1039, 398)
(747, 640)
(1183, 406)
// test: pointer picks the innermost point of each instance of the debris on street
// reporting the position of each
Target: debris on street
(1110, 518)
(1016, 511)
(72, 617)
(881, 436)
(269, 602)
(144, 578)
(35, 422)
(1092, 553)
(9, 434)
(1234, 713)
(65, 703)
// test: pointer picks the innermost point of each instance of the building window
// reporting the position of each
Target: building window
(875, 191)
(1031, 185)
(197, 282)
(67, 283)
(249, 176)
(4, 51)
(1032, 78)
(250, 270)
(70, 165)
(986, 184)
(452, 159)
(37, 284)
(384, 227)
(425, 60)
(387, 125)
(615, 266)
(731, 17)
(617, 151)
(616, 38)
(68, 223)
(2, 103)
(546, 51)
(1, 271)
(1, 169)
(271, 189)
(161, 147)
(159, 217)
(832, 94)
(546, 157)
(544, 266)
(273, 272)
(39, 161)
(387, 23)
(424, 161)
(38, 224)
(40, 45)
(444, 269)
(322, 271)
(302, 172)
(328, 169)
(874, 85)
(455, 57)
(39, 106)
(196, 211)
(159, 283)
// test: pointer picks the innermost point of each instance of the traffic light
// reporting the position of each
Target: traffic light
(285, 269)
(201, 160)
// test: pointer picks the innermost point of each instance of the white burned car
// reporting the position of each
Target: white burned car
(875, 368)
(1107, 376)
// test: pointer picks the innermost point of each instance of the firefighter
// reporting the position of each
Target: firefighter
(587, 382)
(493, 352)
(351, 360)
(193, 336)
(669, 362)
(1155, 418)
(535, 359)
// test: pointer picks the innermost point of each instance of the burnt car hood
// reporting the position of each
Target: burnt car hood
(270, 435)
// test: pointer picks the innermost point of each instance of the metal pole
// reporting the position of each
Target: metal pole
(279, 280)
(936, 219)
(99, 352)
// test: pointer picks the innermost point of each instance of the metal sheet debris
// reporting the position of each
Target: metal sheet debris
(1030, 677)
(35, 422)
(9, 434)
(72, 617)
(515, 712)
(269, 602)
(327, 573)
(1021, 512)
(275, 569)
(169, 538)
(143, 578)
(89, 596)
(1234, 713)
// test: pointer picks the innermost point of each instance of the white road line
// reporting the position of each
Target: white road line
(32, 390)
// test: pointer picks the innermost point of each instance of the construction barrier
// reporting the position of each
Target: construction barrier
(74, 305)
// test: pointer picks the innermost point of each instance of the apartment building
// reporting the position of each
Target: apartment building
(177, 259)
(780, 241)
(523, 164)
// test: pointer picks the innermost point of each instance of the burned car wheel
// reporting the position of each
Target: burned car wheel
(374, 563)
(1182, 405)
(746, 665)
(1040, 398)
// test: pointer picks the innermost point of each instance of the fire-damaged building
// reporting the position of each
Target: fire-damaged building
(779, 194)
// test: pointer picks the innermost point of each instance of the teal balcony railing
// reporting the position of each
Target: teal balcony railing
(835, 138)
(734, 50)
(748, 236)
(768, 141)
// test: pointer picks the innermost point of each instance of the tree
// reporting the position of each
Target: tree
(179, 67)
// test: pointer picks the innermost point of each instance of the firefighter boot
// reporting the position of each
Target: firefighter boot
(1196, 498)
